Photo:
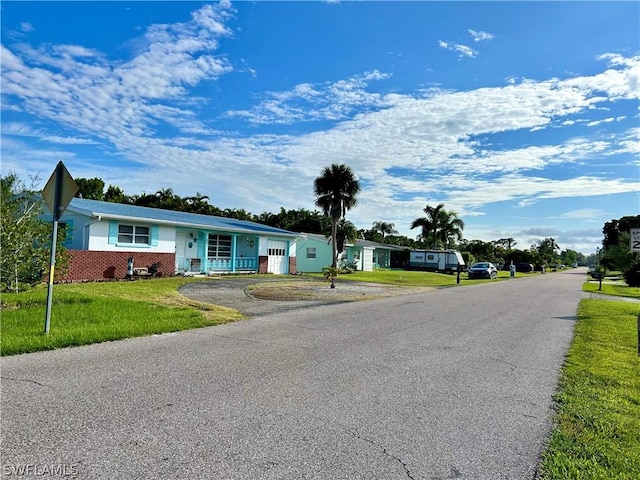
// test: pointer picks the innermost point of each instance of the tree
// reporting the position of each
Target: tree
(25, 239)
(90, 188)
(115, 194)
(615, 253)
(440, 227)
(336, 191)
(429, 224)
(506, 243)
(197, 204)
(346, 232)
(449, 227)
(385, 229)
(546, 251)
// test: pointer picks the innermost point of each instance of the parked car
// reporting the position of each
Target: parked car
(482, 270)
(524, 267)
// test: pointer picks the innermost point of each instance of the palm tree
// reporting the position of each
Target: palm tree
(385, 228)
(346, 232)
(199, 203)
(429, 224)
(449, 227)
(336, 191)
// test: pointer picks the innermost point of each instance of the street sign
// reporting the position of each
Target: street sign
(57, 194)
(59, 190)
(634, 233)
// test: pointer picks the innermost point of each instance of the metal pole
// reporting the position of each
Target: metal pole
(54, 241)
(52, 263)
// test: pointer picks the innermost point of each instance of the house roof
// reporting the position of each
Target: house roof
(119, 211)
(359, 242)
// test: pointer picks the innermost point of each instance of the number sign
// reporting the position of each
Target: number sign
(635, 239)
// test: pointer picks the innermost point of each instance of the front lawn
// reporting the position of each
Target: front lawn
(85, 313)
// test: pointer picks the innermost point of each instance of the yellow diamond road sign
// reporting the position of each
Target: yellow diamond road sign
(59, 190)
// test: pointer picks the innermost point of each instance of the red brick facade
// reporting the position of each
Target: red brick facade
(87, 265)
(263, 264)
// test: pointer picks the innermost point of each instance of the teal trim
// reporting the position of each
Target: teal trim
(113, 232)
(203, 246)
(68, 237)
(234, 241)
(154, 235)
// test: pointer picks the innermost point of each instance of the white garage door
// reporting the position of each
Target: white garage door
(277, 257)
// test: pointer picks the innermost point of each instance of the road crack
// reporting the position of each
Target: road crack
(24, 380)
(386, 452)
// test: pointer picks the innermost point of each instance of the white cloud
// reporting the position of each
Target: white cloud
(480, 36)
(463, 50)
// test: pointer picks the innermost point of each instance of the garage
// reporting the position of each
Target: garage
(278, 260)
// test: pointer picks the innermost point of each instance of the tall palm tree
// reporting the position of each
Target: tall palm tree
(429, 223)
(336, 192)
(449, 227)
(385, 229)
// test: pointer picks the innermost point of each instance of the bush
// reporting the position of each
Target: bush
(632, 275)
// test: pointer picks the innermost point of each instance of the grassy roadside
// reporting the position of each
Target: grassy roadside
(411, 278)
(597, 425)
(88, 313)
(617, 289)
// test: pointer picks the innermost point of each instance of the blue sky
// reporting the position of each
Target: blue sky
(523, 117)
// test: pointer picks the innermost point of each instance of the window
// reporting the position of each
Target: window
(311, 253)
(133, 234)
(276, 252)
(219, 247)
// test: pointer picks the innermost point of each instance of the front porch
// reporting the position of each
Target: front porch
(215, 253)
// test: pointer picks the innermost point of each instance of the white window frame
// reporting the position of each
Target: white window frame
(312, 253)
(137, 235)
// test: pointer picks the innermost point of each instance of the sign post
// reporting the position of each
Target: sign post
(57, 194)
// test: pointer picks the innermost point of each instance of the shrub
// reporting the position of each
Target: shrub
(632, 274)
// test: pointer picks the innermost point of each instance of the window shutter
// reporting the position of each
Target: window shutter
(68, 237)
(113, 232)
(154, 235)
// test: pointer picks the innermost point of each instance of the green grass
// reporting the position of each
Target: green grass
(410, 278)
(597, 433)
(88, 313)
(617, 289)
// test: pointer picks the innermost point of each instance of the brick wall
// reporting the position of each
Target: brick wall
(292, 265)
(263, 264)
(88, 265)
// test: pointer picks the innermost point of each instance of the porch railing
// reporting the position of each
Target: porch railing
(242, 264)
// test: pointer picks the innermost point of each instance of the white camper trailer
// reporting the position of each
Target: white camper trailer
(436, 260)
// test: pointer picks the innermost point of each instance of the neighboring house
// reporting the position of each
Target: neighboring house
(313, 252)
(102, 236)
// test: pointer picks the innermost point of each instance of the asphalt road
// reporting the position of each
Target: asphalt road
(454, 383)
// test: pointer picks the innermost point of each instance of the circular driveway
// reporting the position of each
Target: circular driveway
(233, 292)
